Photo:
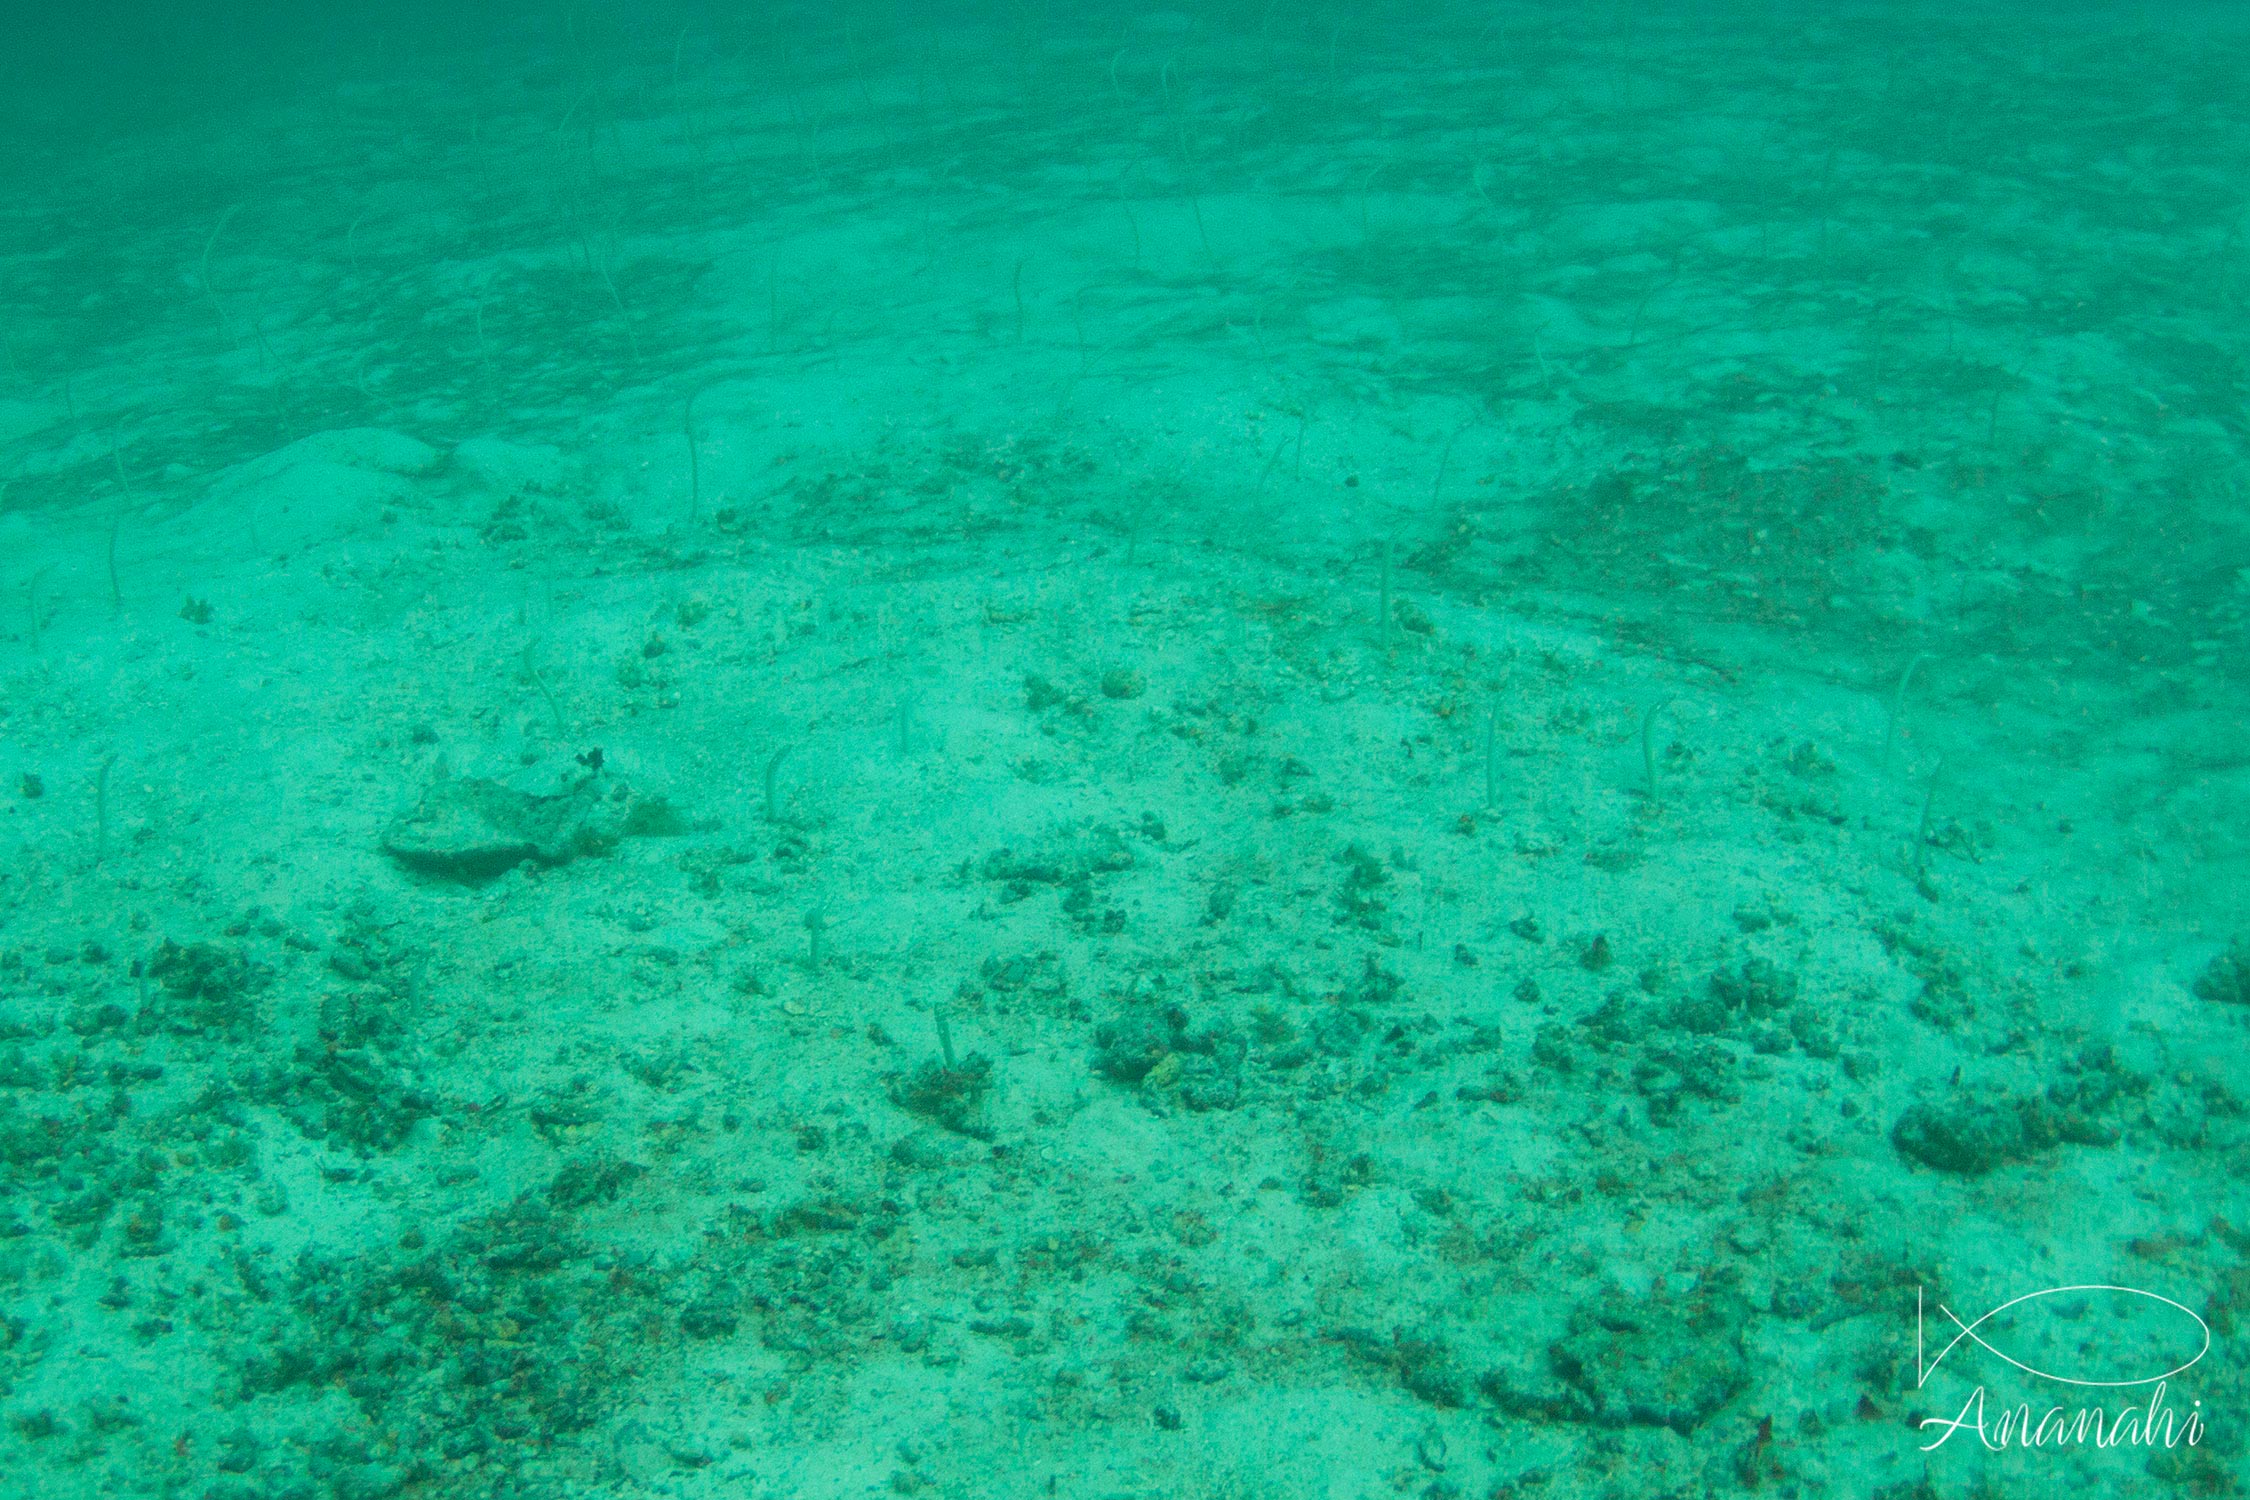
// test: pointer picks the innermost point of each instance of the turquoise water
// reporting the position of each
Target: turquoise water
(1256, 751)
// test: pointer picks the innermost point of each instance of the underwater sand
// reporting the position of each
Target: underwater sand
(1249, 752)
